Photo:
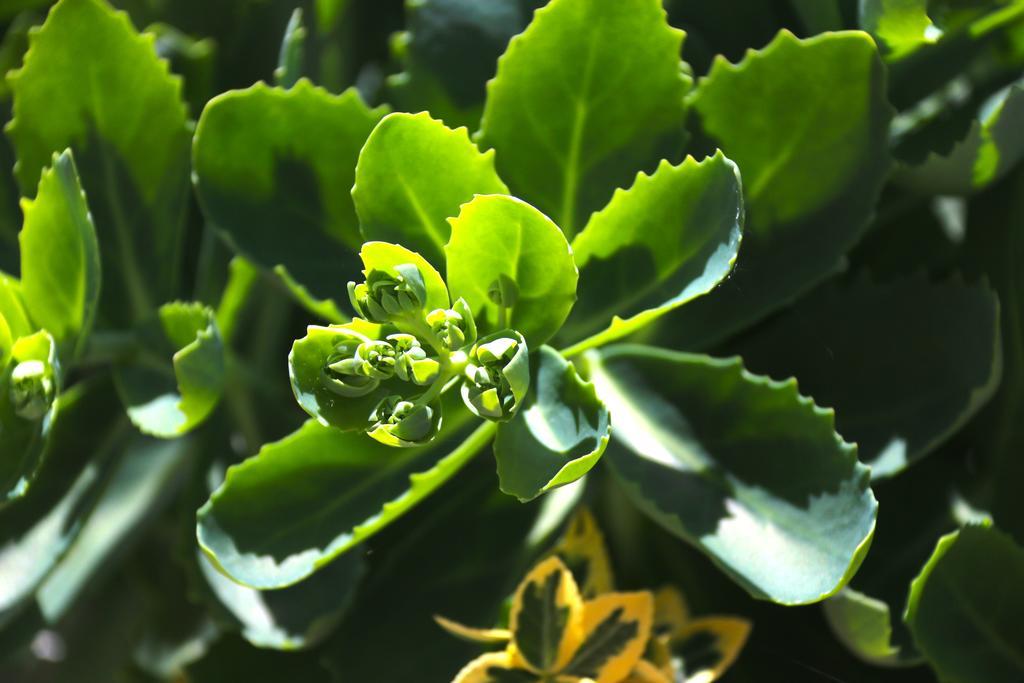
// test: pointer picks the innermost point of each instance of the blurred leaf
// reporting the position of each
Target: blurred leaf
(267, 526)
(272, 170)
(963, 608)
(40, 527)
(414, 173)
(194, 59)
(290, 62)
(571, 119)
(899, 26)
(746, 469)
(121, 113)
(905, 365)
(864, 625)
(498, 241)
(450, 50)
(60, 260)
(178, 380)
(993, 145)
(144, 480)
(995, 249)
(292, 618)
(810, 184)
(672, 237)
(558, 434)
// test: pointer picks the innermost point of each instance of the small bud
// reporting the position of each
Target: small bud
(32, 389)
(504, 291)
(401, 423)
(344, 373)
(453, 327)
(377, 359)
(386, 295)
(412, 364)
(497, 376)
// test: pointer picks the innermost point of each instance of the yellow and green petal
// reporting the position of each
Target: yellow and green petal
(709, 645)
(647, 672)
(616, 629)
(546, 618)
(583, 550)
(671, 612)
(487, 636)
(494, 667)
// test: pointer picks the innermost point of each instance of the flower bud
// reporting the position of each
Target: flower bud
(453, 327)
(401, 423)
(386, 295)
(412, 364)
(32, 389)
(345, 372)
(497, 376)
(377, 359)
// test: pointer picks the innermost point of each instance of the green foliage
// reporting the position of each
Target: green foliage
(682, 453)
(570, 119)
(121, 113)
(513, 267)
(273, 168)
(430, 219)
(60, 268)
(413, 174)
(961, 607)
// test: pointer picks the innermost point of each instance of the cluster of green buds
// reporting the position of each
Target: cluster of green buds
(497, 376)
(394, 364)
(385, 296)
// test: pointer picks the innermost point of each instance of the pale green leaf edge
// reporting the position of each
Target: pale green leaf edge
(422, 484)
(786, 387)
(621, 327)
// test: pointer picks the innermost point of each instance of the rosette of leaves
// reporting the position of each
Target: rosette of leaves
(500, 268)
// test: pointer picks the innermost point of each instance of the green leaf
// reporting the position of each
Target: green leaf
(964, 607)
(558, 435)
(571, 118)
(807, 122)
(30, 380)
(12, 307)
(898, 402)
(899, 26)
(179, 379)
(864, 625)
(40, 527)
(121, 113)
(304, 500)
(273, 168)
(413, 174)
(993, 145)
(497, 240)
(292, 618)
(670, 238)
(746, 469)
(60, 260)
